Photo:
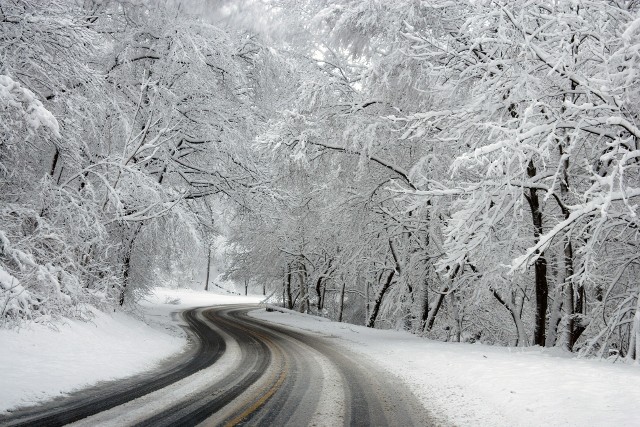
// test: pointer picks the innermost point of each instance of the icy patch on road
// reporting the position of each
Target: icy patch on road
(480, 385)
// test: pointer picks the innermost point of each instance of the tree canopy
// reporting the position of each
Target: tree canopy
(463, 170)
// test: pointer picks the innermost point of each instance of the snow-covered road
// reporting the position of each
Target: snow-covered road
(462, 384)
(263, 374)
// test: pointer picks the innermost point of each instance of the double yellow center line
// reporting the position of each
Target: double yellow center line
(261, 397)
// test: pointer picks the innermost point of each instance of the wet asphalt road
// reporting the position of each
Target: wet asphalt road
(242, 371)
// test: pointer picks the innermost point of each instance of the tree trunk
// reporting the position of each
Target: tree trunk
(126, 267)
(517, 321)
(319, 293)
(284, 297)
(125, 277)
(424, 309)
(366, 300)
(554, 317)
(304, 294)
(54, 163)
(567, 336)
(206, 282)
(341, 306)
(540, 266)
(288, 288)
(324, 295)
(321, 286)
(383, 289)
(431, 318)
(456, 317)
(378, 300)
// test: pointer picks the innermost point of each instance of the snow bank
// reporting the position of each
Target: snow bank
(479, 385)
(39, 363)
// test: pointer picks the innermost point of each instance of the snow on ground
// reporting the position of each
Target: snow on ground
(467, 384)
(38, 362)
(187, 298)
(480, 385)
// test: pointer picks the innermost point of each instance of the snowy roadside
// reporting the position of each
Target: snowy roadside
(38, 363)
(480, 385)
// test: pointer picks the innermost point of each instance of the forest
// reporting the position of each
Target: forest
(467, 170)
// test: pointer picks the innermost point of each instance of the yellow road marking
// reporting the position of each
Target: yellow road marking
(258, 403)
(264, 396)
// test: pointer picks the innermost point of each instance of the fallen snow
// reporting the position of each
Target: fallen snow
(188, 298)
(480, 385)
(38, 362)
(465, 384)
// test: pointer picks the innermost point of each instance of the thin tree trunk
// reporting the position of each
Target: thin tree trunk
(341, 306)
(424, 309)
(324, 295)
(288, 288)
(634, 337)
(517, 321)
(384, 288)
(304, 294)
(456, 317)
(125, 278)
(54, 163)
(378, 300)
(206, 282)
(431, 318)
(366, 300)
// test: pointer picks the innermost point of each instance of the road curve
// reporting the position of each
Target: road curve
(244, 371)
(207, 347)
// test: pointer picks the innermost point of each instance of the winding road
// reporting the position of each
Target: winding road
(242, 371)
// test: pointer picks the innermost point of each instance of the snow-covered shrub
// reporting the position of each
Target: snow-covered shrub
(42, 273)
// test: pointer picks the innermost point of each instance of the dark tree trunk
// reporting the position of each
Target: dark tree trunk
(431, 318)
(341, 306)
(288, 288)
(517, 321)
(54, 163)
(206, 282)
(126, 267)
(424, 310)
(125, 277)
(304, 291)
(319, 293)
(377, 302)
(371, 321)
(540, 266)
